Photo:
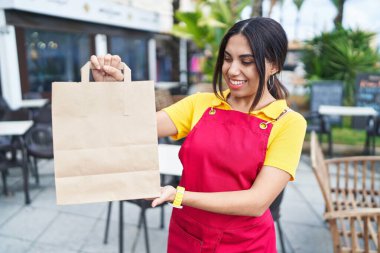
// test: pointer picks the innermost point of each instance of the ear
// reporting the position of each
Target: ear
(273, 69)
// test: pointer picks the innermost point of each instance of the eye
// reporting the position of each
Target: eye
(227, 58)
(247, 60)
(246, 63)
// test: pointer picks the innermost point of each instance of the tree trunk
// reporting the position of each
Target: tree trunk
(272, 4)
(339, 16)
(257, 8)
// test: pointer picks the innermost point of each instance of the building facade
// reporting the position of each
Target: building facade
(42, 41)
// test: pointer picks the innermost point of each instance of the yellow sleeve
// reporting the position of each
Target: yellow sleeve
(181, 113)
(284, 150)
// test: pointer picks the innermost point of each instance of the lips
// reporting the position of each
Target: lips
(236, 84)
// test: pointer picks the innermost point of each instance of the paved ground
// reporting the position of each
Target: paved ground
(44, 227)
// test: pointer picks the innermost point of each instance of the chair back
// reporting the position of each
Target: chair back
(39, 141)
(43, 116)
(320, 170)
(326, 93)
(351, 190)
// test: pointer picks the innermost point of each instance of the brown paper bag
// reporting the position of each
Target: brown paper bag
(105, 140)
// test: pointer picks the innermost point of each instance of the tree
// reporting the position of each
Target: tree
(298, 4)
(340, 55)
(339, 4)
(272, 4)
(257, 8)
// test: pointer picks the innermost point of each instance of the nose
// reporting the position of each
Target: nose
(234, 69)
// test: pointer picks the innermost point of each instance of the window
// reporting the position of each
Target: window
(54, 56)
(167, 59)
(133, 50)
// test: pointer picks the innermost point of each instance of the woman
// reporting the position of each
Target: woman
(243, 145)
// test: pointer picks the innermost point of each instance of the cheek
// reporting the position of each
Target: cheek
(224, 72)
(252, 73)
(224, 68)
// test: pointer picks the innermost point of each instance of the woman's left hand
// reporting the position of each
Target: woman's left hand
(167, 195)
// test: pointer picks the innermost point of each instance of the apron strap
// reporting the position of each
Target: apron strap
(282, 114)
(264, 125)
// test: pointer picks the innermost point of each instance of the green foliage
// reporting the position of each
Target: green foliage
(340, 55)
(207, 25)
(298, 4)
(336, 3)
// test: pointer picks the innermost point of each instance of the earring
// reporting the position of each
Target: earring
(271, 82)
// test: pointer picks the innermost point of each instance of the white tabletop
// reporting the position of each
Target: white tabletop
(169, 162)
(346, 110)
(14, 127)
(33, 103)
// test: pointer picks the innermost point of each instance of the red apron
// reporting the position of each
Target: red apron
(224, 152)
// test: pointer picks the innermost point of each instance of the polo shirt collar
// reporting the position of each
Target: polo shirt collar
(273, 110)
(217, 101)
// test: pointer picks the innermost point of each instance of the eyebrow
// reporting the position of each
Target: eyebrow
(241, 56)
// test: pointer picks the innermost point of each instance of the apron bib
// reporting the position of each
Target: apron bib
(224, 152)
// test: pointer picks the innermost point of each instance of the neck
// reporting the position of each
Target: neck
(243, 104)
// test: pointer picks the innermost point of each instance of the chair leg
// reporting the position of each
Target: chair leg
(139, 224)
(35, 170)
(145, 230)
(162, 225)
(105, 241)
(37, 176)
(4, 179)
(121, 228)
(283, 250)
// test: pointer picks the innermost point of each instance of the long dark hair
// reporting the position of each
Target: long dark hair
(267, 40)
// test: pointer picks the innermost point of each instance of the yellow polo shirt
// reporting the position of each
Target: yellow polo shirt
(285, 140)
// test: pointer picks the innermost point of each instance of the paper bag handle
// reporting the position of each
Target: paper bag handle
(85, 72)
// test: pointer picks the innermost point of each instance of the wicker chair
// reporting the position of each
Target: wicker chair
(163, 99)
(351, 190)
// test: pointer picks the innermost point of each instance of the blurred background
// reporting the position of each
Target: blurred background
(332, 72)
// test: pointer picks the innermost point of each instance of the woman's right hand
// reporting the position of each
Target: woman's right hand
(106, 68)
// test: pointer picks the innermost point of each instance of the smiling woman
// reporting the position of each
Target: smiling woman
(240, 74)
(242, 145)
(247, 62)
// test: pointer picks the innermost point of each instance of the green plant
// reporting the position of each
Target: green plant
(206, 26)
(340, 55)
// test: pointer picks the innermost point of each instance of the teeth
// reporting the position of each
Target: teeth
(237, 82)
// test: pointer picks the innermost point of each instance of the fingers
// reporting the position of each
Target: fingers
(167, 195)
(113, 72)
(157, 202)
(107, 60)
(106, 68)
(94, 62)
(115, 61)
(98, 62)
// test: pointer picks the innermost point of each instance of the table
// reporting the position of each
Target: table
(169, 162)
(34, 103)
(329, 110)
(18, 129)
